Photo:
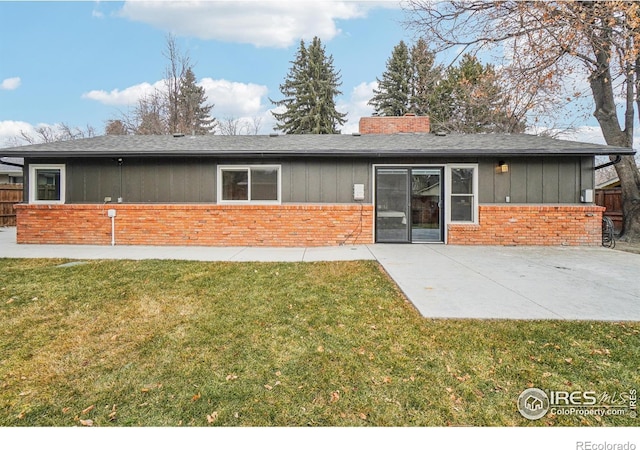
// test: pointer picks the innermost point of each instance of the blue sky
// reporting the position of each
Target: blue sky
(83, 63)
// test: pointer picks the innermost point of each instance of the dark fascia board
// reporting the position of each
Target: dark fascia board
(307, 146)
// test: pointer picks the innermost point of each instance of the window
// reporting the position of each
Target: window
(46, 183)
(257, 184)
(463, 188)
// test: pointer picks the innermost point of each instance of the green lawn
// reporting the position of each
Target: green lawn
(170, 343)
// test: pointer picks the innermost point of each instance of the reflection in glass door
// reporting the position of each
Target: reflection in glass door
(408, 204)
(425, 205)
(392, 204)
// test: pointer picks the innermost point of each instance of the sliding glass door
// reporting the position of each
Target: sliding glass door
(409, 204)
(392, 205)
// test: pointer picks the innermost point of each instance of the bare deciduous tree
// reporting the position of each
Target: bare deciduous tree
(544, 43)
(178, 108)
(233, 126)
(53, 133)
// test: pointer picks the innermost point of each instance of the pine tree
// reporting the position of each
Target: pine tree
(475, 102)
(425, 78)
(193, 111)
(392, 98)
(309, 92)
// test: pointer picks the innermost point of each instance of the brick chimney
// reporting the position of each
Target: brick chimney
(409, 123)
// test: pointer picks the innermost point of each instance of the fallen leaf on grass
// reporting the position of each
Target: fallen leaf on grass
(66, 410)
(21, 415)
(363, 416)
(211, 418)
(268, 387)
(335, 396)
(386, 380)
(569, 360)
(232, 376)
(88, 409)
(196, 397)
(11, 300)
(86, 423)
(546, 374)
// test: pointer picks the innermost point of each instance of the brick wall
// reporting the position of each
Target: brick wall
(531, 225)
(196, 224)
(394, 124)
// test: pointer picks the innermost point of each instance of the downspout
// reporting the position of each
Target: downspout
(6, 163)
(610, 163)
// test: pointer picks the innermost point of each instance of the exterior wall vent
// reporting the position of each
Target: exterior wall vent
(177, 135)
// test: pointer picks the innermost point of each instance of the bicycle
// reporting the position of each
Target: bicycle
(608, 239)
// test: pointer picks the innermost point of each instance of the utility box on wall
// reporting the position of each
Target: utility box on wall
(586, 196)
(358, 191)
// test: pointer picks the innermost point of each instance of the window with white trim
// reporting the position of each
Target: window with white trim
(46, 183)
(249, 184)
(463, 192)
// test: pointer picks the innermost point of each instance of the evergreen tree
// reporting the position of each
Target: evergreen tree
(473, 99)
(425, 78)
(193, 111)
(467, 98)
(392, 98)
(309, 92)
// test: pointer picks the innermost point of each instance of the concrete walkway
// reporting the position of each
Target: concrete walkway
(10, 249)
(442, 281)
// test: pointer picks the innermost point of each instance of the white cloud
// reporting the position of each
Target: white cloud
(10, 130)
(356, 106)
(263, 24)
(230, 98)
(9, 84)
(127, 96)
(233, 99)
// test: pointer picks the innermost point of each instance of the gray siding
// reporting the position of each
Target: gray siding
(193, 180)
(536, 180)
(313, 180)
(324, 181)
(189, 180)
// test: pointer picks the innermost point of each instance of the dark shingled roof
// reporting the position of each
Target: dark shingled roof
(308, 145)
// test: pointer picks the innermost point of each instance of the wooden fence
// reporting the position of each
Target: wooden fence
(10, 194)
(612, 200)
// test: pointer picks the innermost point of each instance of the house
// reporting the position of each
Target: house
(11, 170)
(400, 184)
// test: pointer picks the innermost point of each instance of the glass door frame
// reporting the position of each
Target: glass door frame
(408, 192)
